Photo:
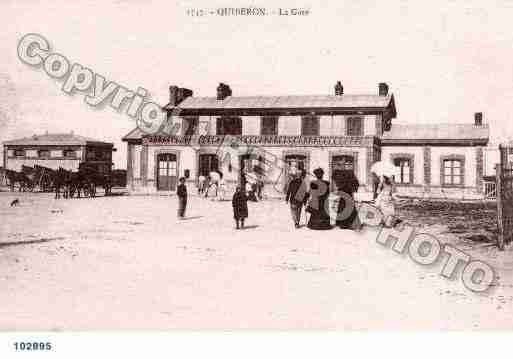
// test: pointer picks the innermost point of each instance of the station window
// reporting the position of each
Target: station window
(19, 153)
(310, 126)
(43, 153)
(405, 175)
(354, 126)
(453, 172)
(70, 153)
(229, 126)
(269, 126)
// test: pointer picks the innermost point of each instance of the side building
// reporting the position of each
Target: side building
(65, 150)
(439, 161)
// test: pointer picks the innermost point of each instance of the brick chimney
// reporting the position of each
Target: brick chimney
(339, 89)
(178, 94)
(383, 89)
(478, 119)
(223, 91)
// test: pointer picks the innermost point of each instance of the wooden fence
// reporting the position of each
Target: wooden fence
(504, 192)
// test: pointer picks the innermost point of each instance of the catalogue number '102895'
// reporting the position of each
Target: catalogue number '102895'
(32, 346)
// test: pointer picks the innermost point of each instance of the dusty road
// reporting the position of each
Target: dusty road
(127, 263)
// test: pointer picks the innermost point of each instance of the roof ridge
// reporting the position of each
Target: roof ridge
(439, 123)
(299, 95)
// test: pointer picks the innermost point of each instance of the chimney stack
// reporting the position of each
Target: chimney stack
(339, 89)
(223, 91)
(478, 119)
(383, 89)
(178, 94)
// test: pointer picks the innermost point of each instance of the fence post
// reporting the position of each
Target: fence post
(500, 204)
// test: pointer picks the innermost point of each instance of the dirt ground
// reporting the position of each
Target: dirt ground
(126, 262)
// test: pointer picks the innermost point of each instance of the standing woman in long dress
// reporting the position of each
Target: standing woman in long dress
(240, 207)
(347, 215)
(385, 201)
(318, 202)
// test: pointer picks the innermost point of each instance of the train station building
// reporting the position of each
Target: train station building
(280, 134)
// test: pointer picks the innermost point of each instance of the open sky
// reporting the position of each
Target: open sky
(444, 60)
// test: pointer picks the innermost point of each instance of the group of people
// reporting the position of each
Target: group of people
(212, 186)
(313, 196)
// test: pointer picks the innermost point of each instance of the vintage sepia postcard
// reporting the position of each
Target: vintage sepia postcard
(263, 165)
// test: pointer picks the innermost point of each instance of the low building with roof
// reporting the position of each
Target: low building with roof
(281, 134)
(438, 160)
(54, 150)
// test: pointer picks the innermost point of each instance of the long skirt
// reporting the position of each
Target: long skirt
(182, 205)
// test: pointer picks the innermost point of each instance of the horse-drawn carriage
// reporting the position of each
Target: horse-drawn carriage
(30, 179)
(84, 182)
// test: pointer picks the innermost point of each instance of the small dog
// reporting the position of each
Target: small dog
(15, 202)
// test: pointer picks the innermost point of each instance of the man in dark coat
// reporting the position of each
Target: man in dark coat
(240, 207)
(318, 203)
(181, 192)
(296, 196)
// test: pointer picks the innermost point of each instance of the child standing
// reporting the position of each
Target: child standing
(240, 207)
(182, 198)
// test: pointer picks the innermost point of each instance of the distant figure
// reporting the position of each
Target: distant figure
(319, 192)
(201, 184)
(260, 188)
(296, 196)
(182, 198)
(375, 185)
(221, 190)
(385, 201)
(251, 191)
(240, 207)
(206, 186)
(15, 202)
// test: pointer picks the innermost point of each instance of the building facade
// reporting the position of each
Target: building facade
(280, 134)
(65, 150)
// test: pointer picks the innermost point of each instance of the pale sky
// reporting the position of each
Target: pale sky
(443, 60)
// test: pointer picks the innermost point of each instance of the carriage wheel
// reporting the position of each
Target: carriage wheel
(86, 191)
